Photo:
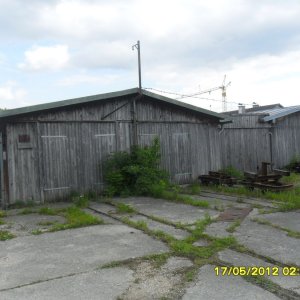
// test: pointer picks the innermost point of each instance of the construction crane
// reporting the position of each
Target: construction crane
(222, 87)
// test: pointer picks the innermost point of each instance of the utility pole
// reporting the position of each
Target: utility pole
(134, 111)
(138, 47)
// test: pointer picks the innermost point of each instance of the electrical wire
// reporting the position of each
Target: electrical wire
(195, 96)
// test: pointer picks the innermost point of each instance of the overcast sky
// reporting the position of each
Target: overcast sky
(60, 49)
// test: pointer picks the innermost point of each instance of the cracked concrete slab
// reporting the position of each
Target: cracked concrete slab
(209, 286)
(21, 225)
(176, 263)
(289, 220)
(172, 211)
(242, 259)
(154, 225)
(95, 285)
(268, 241)
(218, 229)
(70, 251)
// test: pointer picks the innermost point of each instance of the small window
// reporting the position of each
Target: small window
(24, 138)
(24, 141)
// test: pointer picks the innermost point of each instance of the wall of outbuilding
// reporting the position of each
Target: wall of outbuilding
(286, 139)
(248, 141)
(245, 143)
(50, 154)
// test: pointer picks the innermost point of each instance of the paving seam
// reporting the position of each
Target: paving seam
(275, 226)
(235, 201)
(242, 196)
(46, 280)
(138, 213)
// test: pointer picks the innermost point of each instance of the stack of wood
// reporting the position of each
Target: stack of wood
(217, 178)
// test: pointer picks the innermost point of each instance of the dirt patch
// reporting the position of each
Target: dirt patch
(21, 225)
(234, 213)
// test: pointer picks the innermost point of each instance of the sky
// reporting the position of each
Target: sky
(60, 49)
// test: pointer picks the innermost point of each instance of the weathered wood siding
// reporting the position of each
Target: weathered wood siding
(68, 146)
(286, 139)
(248, 141)
(245, 143)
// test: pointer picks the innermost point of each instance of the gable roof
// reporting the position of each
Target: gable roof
(102, 97)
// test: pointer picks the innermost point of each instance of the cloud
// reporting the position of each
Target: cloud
(46, 58)
(184, 44)
(87, 79)
(11, 94)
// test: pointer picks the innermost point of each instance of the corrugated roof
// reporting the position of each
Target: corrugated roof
(258, 109)
(101, 97)
(274, 114)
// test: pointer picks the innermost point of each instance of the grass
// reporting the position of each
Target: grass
(46, 223)
(185, 247)
(36, 232)
(287, 200)
(125, 208)
(174, 196)
(177, 225)
(190, 275)
(48, 211)
(294, 178)
(157, 259)
(6, 235)
(27, 211)
(75, 218)
(2, 214)
(233, 226)
(193, 189)
(81, 201)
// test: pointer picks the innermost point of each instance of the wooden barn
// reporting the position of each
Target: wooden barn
(49, 150)
(263, 133)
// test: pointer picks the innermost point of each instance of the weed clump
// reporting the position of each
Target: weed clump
(5, 235)
(125, 208)
(76, 218)
(135, 173)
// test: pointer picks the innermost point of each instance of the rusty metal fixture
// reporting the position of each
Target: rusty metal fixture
(265, 180)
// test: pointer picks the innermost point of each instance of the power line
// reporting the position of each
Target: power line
(196, 96)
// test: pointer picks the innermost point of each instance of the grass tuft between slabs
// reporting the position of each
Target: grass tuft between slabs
(75, 218)
(185, 247)
(6, 235)
(125, 208)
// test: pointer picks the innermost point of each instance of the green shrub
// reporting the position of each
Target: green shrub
(233, 172)
(135, 173)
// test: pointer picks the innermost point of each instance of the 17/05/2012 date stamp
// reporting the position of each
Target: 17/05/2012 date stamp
(256, 271)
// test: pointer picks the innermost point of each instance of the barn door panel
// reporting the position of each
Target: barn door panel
(146, 139)
(181, 157)
(104, 145)
(56, 165)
